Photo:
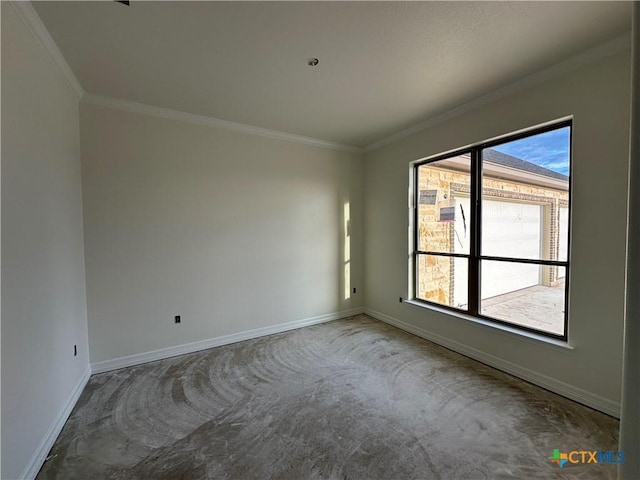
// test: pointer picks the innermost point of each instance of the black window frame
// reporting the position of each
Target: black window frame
(475, 226)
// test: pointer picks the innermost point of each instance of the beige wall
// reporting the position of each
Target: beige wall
(237, 232)
(598, 98)
(233, 232)
(43, 289)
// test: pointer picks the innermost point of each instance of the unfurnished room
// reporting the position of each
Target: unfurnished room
(320, 240)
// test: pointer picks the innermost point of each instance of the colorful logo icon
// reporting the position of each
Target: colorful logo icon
(558, 458)
(586, 456)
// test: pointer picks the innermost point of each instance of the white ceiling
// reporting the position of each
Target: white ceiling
(384, 66)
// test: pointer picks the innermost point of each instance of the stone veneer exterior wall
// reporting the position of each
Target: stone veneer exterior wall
(436, 273)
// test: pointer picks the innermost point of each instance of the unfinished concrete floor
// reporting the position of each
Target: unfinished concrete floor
(349, 399)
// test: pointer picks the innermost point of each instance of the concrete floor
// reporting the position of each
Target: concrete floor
(349, 399)
(537, 307)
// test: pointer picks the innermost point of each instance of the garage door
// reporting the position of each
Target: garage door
(509, 229)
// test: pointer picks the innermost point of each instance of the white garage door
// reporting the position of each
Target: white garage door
(509, 229)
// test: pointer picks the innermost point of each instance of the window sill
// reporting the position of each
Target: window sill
(504, 329)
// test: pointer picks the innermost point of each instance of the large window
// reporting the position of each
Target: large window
(491, 230)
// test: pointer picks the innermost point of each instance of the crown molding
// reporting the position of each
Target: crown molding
(591, 55)
(170, 114)
(29, 16)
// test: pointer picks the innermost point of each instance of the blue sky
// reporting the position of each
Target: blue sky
(549, 150)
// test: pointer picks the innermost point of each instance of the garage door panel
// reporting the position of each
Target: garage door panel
(499, 278)
(509, 229)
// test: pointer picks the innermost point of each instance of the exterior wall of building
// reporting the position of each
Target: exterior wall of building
(435, 279)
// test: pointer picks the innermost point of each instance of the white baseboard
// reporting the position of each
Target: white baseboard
(38, 458)
(162, 353)
(574, 393)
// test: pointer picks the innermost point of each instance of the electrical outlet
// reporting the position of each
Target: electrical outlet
(75, 350)
(177, 318)
(354, 289)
